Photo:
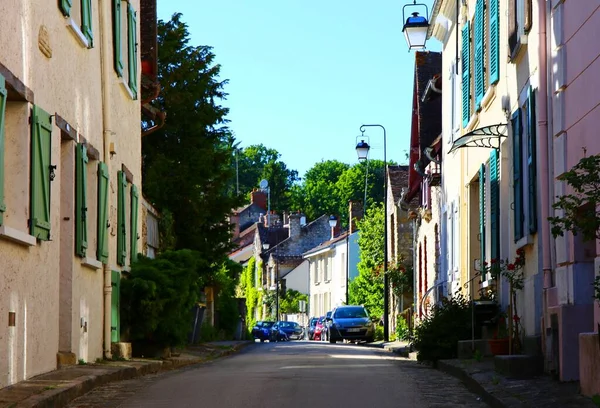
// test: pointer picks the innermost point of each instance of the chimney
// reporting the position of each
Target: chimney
(294, 225)
(356, 213)
(259, 198)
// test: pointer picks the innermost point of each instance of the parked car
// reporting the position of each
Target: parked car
(351, 323)
(283, 331)
(320, 329)
(262, 331)
(311, 327)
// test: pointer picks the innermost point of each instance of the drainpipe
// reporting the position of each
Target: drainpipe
(106, 63)
(543, 154)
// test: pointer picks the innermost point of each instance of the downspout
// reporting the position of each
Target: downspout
(347, 265)
(543, 154)
(106, 63)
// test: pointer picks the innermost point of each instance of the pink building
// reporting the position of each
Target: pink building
(569, 115)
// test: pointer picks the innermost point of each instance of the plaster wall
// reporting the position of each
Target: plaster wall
(70, 84)
(297, 279)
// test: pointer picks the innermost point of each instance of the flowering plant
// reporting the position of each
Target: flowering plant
(512, 271)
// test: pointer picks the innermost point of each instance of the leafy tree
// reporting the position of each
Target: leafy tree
(351, 186)
(187, 164)
(226, 304)
(290, 303)
(367, 287)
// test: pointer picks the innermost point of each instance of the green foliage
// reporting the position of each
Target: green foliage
(158, 296)
(477, 356)
(226, 303)
(579, 205)
(401, 278)
(402, 329)
(187, 164)
(291, 303)
(596, 400)
(378, 333)
(209, 333)
(437, 336)
(250, 292)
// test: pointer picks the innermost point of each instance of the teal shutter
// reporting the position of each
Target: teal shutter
(41, 143)
(134, 222)
(132, 48)
(494, 206)
(115, 303)
(3, 95)
(517, 175)
(466, 75)
(102, 246)
(86, 21)
(118, 50)
(121, 227)
(65, 7)
(479, 37)
(531, 162)
(494, 45)
(81, 200)
(482, 212)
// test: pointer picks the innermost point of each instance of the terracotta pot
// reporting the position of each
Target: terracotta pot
(498, 347)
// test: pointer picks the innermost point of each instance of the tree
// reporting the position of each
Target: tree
(351, 186)
(367, 287)
(187, 164)
(290, 303)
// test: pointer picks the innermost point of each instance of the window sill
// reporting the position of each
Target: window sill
(126, 88)
(523, 242)
(77, 33)
(16, 236)
(519, 49)
(472, 122)
(91, 263)
(488, 98)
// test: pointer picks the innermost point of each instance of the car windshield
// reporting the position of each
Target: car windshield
(313, 321)
(266, 325)
(351, 313)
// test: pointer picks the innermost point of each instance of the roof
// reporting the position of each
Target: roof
(327, 244)
(427, 66)
(398, 179)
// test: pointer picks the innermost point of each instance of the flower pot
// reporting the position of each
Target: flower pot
(498, 347)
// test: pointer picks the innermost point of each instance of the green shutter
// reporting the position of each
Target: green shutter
(494, 206)
(102, 246)
(65, 7)
(517, 175)
(121, 219)
(482, 211)
(81, 200)
(115, 303)
(479, 37)
(118, 51)
(3, 94)
(531, 162)
(494, 45)
(41, 143)
(86, 21)
(466, 75)
(132, 48)
(134, 222)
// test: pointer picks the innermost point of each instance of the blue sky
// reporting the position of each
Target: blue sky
(304, 75)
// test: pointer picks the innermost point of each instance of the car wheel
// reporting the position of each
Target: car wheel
(262, 340)
(332, 340)
(370, 339)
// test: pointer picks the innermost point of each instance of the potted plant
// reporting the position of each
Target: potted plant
(499, 342)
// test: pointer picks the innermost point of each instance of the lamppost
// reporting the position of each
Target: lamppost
(362, 148)
(415, 27)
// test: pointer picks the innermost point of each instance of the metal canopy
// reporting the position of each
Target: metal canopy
(487, 136)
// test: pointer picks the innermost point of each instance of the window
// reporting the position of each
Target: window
(524, 168)
(328, 266)
(121, 219)
(102, 230)
(42, 173)
(482, 213)
(125, 43)
(519, 24)
(479, 39)
(81, 161)
(3, 95)
(494, 205)
(80, 14)
(466, 74)
(455, 102)
(133, 218)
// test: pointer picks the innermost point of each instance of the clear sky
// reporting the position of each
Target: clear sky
(304, 75)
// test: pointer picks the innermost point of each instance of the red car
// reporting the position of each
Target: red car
(320, 329)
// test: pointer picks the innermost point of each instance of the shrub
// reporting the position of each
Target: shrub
(378, 333)
(437, 336)
(402, 329)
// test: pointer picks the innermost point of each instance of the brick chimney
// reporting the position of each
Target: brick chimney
(356, 213)
(259, 198)
(295, 225)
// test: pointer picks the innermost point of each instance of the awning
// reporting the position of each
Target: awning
(487, 136)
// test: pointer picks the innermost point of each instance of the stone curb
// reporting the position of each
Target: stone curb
(402, 351)
(62, 396)
(472, 384)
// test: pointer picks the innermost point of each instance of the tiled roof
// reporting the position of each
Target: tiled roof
(398, 179)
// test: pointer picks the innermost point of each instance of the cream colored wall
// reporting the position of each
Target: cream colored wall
(68, 83)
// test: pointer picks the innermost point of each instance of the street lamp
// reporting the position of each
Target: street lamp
(332, 224)
(415, 27)
(362, 149)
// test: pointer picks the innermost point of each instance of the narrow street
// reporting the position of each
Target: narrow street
(291, 375)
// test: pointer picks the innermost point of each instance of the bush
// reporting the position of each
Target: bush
(378, 333)
(437, 336)
(402, 329)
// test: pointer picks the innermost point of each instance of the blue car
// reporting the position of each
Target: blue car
(284, 331)
(262, 331)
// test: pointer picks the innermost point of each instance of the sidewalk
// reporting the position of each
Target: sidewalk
(501, 392)
(401, 348)
(57, 388)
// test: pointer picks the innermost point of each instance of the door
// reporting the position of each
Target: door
(115, 314)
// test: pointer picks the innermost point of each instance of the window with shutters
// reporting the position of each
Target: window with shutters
(523, 126)
(133, 219)
(125, 45)
(102, 224)
(519, 25)
(42, 174)
(81, 206)
(3, 97)
(121, 219)
(79, 14)
(482, 213)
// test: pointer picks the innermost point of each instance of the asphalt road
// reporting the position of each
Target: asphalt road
(292, 375)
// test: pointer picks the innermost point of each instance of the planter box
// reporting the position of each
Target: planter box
(589, 363)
